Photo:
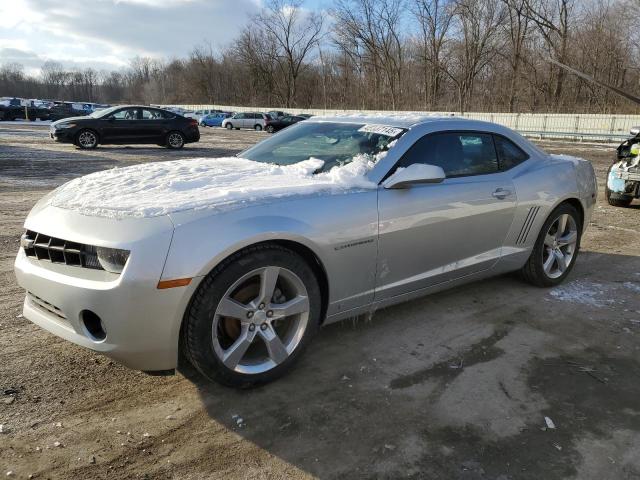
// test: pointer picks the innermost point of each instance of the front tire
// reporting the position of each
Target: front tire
(270, 129)
(556, 248)
(229, 126)
(253, 316)
(175, 140)
(258, 128)
(87, 139)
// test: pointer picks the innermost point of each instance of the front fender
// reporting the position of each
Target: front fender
(190, 255)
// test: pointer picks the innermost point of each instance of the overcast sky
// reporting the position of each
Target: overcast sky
(105, 34)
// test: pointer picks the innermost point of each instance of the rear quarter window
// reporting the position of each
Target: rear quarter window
(509, 154)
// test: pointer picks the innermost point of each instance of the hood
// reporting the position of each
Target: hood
(161, 188)
(69, 119)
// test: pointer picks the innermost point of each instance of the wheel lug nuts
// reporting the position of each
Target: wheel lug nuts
(252, 327)
(270, 313)
(249, 314)
(263, 326)
(261, 306)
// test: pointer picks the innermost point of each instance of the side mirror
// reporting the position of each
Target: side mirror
(415, 174)
(635, 131)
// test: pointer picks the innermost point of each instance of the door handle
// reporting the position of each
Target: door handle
(501, 193)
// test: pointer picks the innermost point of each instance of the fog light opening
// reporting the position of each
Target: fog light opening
(93, 325)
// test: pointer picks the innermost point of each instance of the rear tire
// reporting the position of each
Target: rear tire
(236, 333)
(175, 140)
(556, 249)
(270, 129)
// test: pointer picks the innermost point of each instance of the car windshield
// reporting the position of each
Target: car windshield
(103, 112)
(334, 143)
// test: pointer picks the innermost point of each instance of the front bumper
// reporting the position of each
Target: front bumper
(65, 135)
(629, 176)
(142, 323)
(192, 135)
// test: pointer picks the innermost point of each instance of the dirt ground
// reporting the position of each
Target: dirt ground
(454, 386)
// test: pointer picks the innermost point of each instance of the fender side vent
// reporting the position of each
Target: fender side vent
(526, 227)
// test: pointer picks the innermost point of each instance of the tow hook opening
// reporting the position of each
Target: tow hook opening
(93, 325)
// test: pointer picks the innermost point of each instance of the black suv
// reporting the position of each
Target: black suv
(127, 124)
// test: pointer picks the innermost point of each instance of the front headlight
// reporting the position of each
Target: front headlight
(64, 125)
(112, 259)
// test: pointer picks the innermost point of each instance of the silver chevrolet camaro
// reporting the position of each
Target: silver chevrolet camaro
(241, 291)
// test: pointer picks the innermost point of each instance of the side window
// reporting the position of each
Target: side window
(239, 115)
(458, 153)
(151, 114)
(126, 114)
(509, 153)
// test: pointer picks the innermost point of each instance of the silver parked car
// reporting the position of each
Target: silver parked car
(241, 288)
(253, 120)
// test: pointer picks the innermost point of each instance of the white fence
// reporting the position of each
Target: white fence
(543, 125)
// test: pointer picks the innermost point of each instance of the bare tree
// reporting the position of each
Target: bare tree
(434, 19)
(281, 38)
(478, 22)
(552, 19)
(517, 32)
(369, 32)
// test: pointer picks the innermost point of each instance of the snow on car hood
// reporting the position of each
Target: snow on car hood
(154, 189)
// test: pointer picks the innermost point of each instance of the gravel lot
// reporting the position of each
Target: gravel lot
(456, 385)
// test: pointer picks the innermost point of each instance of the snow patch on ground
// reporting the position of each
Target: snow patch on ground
(585, 293)
(154, 189)
(632, 286)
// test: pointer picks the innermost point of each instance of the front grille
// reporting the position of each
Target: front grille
(49, 307)
(57, 250)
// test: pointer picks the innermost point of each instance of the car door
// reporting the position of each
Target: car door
(120, 126)
(152, 126)
(433, 233)
(239, 120)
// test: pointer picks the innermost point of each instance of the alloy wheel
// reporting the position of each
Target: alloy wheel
(260, 320)
(559, 246)
(175, 140)
(87, 139)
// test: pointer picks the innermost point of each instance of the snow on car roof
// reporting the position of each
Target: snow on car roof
(404, 120)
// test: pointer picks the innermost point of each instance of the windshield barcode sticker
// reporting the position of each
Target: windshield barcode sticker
(381, 130)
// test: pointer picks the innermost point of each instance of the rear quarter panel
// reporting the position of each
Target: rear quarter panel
(542, 183)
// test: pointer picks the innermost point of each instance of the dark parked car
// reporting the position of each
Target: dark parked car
(61, 110)
(127, 124)
(275, 124)
(15, 110)
(276, 113)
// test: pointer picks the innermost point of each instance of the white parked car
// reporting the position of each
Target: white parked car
(253, 120)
